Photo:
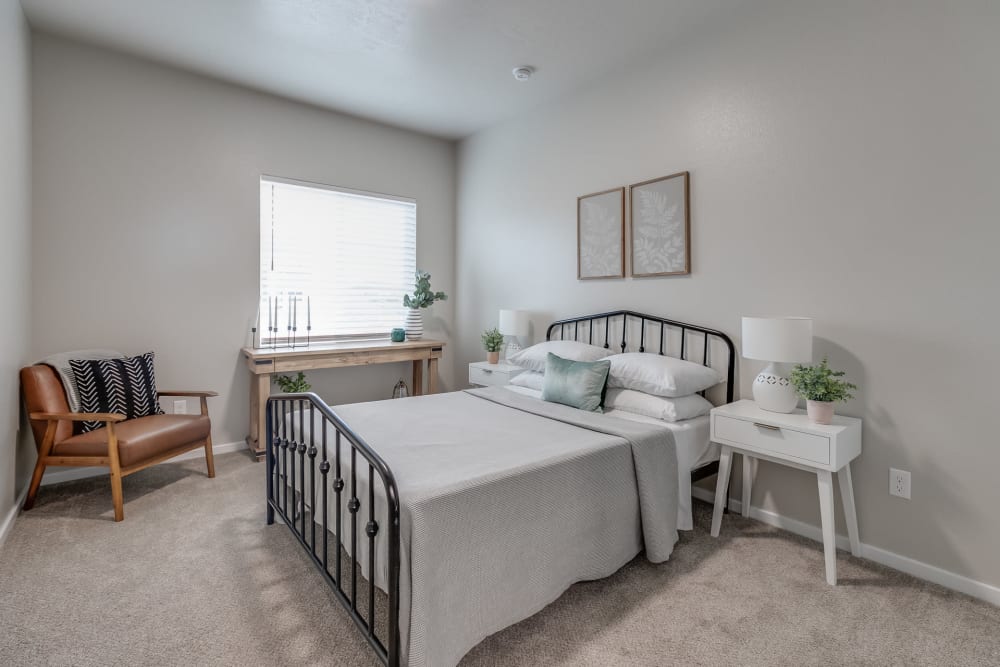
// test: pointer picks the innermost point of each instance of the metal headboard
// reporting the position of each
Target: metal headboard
(648, 321)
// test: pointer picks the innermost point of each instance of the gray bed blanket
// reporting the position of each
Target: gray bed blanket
(506, 502)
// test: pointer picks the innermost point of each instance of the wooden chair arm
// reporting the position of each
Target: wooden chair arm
(79, 416)
(185, 392)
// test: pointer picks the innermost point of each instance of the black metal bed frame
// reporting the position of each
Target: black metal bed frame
(286, 498)
(708, 469)
(288, 491)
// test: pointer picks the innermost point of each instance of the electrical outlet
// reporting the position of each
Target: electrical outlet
(899, 483)
(180, 407)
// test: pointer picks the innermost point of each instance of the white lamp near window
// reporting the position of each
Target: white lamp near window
(513, 323)
(782, 341)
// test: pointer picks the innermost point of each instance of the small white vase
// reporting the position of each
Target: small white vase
(820, 412)
(414, 324)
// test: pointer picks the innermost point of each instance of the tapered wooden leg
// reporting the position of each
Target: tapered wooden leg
(116, 494)
(209, 458)
(850, 514)
(418, 377)
(721, 488)
(43, 452)
(824, 480)
(116, 473)
(36, 480)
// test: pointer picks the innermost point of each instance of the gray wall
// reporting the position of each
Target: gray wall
(15, 221)
(843, 161)
(146, 215)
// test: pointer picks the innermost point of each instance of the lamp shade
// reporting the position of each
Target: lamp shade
(513, 323)
(781, 339)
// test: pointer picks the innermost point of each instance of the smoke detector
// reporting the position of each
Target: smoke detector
(523, 72)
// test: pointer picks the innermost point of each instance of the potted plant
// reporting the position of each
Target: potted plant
(293, 385)
(422, 297)
(821, 386)
(492, 341)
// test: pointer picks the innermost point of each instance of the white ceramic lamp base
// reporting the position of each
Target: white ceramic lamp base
(772, 390)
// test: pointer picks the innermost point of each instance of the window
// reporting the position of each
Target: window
(340, 260)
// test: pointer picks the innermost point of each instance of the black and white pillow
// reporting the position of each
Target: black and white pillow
(126, 386)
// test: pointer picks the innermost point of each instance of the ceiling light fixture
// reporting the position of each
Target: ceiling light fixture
(523, 72)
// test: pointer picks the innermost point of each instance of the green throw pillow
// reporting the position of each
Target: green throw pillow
(579, 384)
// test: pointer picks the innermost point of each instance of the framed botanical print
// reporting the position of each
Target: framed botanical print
(600, 235)
(660, 221)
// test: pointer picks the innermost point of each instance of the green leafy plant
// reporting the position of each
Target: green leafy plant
(821, 383)
(492, 340)
(422, 295)
(293, 385)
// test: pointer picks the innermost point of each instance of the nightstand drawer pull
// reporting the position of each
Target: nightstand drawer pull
(487, 371)
(767, 426)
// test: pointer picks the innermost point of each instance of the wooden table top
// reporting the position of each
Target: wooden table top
(339, 347)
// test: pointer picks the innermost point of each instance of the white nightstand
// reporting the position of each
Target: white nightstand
(791, 440)
(485, 374)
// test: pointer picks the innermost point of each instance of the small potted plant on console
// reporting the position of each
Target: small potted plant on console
(821, 386)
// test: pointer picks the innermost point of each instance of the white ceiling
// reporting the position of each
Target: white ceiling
(437, 66)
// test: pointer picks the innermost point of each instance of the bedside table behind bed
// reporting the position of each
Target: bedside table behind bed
(485, 374)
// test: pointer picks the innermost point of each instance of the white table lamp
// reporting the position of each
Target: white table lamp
(513, 323)
(782, 341)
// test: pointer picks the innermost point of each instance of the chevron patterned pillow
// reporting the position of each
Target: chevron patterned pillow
(126, 386)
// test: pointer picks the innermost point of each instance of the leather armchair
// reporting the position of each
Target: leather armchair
(124, 446)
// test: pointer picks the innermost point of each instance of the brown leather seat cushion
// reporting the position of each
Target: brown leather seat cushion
(139, 439)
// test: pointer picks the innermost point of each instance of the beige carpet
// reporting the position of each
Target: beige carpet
(193, 577)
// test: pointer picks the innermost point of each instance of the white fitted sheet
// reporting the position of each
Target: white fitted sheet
(694, 449)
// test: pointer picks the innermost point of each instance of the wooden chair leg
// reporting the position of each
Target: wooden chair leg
(36, 481)
(43, 452)
(116, 494)
(116, 473)
(209, 457)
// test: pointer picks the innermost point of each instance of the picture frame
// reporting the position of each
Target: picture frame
(660, 226)
(600, 235)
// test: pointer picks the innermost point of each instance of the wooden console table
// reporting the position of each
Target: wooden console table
(263, 362)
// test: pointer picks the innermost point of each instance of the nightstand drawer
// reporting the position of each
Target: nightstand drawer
(488, 376)
(769, 438)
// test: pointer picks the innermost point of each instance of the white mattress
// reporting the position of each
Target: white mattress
(694, 449)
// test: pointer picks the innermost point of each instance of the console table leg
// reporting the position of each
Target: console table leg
(432, 376)
(260, 390)
(418, 377)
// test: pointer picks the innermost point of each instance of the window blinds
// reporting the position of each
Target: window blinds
(339, 258)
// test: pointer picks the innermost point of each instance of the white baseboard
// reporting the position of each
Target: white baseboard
(54, 475)
(916, 568)
(8, 521)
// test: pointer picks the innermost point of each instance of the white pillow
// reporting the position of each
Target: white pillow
(660, 375)
(529, 380)
(533, 358)
(657, 407)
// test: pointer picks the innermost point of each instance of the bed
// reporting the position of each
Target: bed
(472, 510)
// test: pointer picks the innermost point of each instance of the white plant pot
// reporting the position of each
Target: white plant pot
(414, 324)
(820, 412)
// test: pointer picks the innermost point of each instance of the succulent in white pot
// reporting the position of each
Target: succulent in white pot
(822, 387)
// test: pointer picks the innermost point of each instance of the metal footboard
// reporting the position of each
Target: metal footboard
(298, 497)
